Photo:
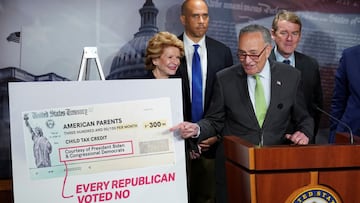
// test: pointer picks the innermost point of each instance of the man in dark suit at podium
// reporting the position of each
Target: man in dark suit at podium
(286, 32)
(255, 100)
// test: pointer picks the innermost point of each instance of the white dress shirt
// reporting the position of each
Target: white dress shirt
(189, 52)
(280, 58)
(265, 78)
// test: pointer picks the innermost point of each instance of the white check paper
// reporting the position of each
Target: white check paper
(99, 137)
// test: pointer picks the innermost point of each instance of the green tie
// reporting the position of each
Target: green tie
(260, 102)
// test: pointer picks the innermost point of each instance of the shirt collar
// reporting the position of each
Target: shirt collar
(280, 58)
(265, 73)
(189, 42)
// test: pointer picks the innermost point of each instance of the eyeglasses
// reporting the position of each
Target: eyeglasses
(242, 56)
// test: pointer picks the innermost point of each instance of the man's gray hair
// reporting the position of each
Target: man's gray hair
(257, 28)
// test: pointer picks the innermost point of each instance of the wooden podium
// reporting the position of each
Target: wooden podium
(291, 174)
(6, 194)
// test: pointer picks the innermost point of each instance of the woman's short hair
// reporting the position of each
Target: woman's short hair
(157, 44)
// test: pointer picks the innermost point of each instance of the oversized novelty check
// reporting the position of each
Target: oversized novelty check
(100, 137)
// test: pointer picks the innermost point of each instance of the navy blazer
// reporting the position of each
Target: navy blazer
(345, 103)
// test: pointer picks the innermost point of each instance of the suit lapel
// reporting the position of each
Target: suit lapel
(243, 90)
(298, 61)
(272, 55)
(276, 88)
(210, 74)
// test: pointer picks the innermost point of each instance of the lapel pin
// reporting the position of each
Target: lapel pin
(278, 83)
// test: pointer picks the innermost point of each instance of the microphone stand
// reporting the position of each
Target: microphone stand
(338, 121)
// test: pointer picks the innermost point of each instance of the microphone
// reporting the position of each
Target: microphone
(338, 121)
(261, 142)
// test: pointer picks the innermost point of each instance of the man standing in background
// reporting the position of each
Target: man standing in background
(204, 57)
(286, 32)
(345, 102)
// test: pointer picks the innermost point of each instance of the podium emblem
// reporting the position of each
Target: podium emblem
(314, 194)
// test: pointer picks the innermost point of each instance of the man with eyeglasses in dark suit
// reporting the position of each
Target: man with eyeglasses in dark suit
(234, 108)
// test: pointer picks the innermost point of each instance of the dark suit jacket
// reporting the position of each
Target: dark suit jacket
(345, 103)
(218, 57)
(310, 76)
(231, 112)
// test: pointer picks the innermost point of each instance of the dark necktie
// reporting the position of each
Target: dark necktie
(197, 103)
(287, 61)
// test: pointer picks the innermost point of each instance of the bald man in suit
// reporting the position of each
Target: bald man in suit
(214, 56)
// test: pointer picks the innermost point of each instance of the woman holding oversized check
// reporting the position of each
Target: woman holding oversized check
(163, 54)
